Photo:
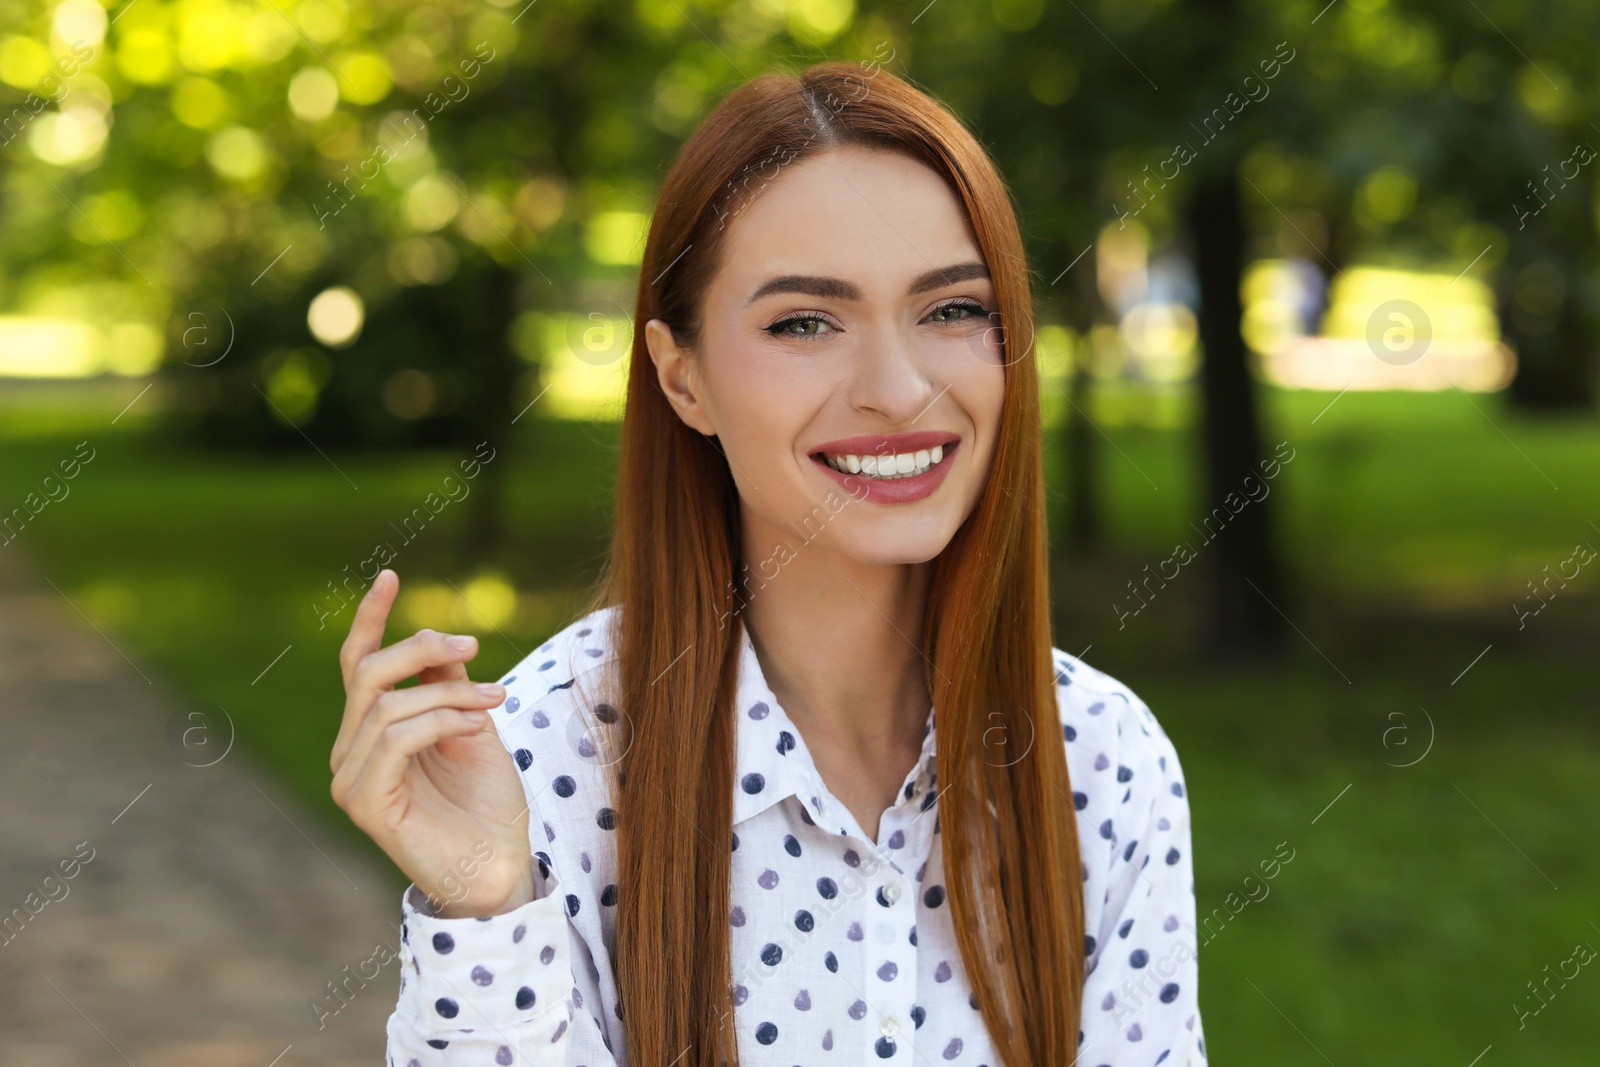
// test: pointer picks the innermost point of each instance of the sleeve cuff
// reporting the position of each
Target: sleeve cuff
(498, 971)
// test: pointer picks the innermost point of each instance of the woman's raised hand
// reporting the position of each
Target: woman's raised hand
(423, 772)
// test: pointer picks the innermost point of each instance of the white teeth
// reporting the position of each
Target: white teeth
(889, 468)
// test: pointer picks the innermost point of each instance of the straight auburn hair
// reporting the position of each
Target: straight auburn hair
(1006, 819)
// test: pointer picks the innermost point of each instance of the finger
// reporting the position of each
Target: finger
(364, 638)
(447, 672)
(379, 672)
(386, 668)
(398, 705)
(382, 774)
(366, 627)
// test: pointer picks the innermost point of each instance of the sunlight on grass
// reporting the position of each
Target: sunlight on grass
(1382, 329)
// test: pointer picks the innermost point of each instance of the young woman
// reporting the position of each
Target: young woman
(712, 823)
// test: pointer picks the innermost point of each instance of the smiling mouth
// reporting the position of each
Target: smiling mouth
(887, 467)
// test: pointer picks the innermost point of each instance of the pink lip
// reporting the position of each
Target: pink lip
(900, 490)
(881, 445)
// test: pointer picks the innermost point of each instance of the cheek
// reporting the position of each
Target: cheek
(976, 366)
(987, 342)
(976, 378)
(762, 400)
(987, 402)
(978, 389)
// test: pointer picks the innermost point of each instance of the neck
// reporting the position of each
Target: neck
(839, 640)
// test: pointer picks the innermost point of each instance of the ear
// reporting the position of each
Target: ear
(678, 374)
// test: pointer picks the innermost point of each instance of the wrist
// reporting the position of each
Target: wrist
(478, 905)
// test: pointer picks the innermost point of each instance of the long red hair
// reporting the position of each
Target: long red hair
(1006, 819)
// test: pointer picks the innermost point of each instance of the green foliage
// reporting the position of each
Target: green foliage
(221, 164)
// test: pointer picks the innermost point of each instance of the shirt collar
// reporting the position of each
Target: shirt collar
(772, 761)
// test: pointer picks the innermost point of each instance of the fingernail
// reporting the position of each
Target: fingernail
(459, 642)
(489, 689)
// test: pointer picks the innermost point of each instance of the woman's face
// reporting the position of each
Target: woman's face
(848, 326)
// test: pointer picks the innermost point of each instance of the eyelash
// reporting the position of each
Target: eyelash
(780, 328)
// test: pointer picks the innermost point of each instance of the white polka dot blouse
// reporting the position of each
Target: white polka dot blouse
(843, 948)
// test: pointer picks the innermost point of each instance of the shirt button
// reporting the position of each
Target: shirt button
(891, 892)
(890, 1027)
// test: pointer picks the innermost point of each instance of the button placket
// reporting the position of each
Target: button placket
(892, 970)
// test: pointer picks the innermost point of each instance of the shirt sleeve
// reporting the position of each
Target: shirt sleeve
(1142, 991)
(495, 990)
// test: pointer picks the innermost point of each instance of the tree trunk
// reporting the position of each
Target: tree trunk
(490, 338)
(1244, 622)
(1544, 296)
(1554, 366)
(1555, 350)
(1083, 527)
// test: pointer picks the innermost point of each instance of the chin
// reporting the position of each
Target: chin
(889, 548)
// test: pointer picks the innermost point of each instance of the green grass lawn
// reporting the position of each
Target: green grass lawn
(1418, 905)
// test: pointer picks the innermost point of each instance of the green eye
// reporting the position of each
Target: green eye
(969, 307)
(811, 326)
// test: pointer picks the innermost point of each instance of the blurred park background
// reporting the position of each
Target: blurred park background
(271, 270)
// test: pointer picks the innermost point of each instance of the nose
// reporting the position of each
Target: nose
(891, 378)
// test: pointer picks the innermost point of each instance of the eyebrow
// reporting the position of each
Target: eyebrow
(839, 289)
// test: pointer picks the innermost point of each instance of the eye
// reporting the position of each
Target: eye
(809, 322)
(968, 308)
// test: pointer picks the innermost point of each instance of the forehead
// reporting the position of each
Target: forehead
(877, 217)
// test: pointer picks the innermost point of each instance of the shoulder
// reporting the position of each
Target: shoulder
(554, 717)
(1133, 831)
(572, 652)
(554, 725)
(1119, 757)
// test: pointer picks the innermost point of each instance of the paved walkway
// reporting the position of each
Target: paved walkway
(214, 911)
